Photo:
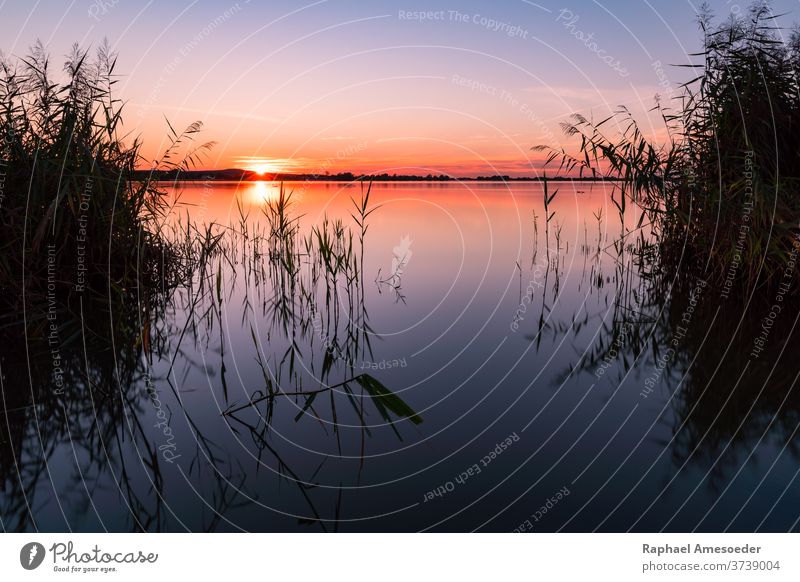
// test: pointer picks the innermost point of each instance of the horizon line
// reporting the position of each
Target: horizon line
(251, 175)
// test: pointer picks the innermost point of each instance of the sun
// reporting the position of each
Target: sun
(265, 168)
(262, 169)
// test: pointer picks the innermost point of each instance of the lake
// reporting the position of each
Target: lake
(474, 368)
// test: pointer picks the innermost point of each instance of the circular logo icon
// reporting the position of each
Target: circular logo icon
(31, 555)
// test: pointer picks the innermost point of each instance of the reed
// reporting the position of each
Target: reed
(76, 215)
(721, 195)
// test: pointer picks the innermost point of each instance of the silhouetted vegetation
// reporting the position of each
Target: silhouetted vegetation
(722, 195)
(75, 221)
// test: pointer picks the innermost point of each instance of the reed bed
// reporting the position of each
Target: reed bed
(721, 196)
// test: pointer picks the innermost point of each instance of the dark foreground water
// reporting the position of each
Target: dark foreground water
(480, 380)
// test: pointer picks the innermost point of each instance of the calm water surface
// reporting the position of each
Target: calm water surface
(557, 386)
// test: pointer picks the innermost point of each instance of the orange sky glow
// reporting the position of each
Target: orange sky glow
(329, 87)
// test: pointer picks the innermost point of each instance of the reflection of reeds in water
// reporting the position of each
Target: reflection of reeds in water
(305, 289)
(97, 401)
(160, 283)
(311, 288)
(725, 402)
(86, 276)
(718, 212)
(311, 278)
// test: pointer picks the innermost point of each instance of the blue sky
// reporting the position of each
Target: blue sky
(374, 84)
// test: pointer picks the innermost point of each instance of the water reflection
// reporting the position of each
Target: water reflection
(308, 374)
(727, 393)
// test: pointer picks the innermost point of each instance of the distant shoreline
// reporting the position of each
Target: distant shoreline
(237, 175)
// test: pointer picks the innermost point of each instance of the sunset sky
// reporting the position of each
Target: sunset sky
(334, 86)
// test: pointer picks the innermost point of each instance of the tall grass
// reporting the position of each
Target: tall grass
(72, 213)
(722, 194)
